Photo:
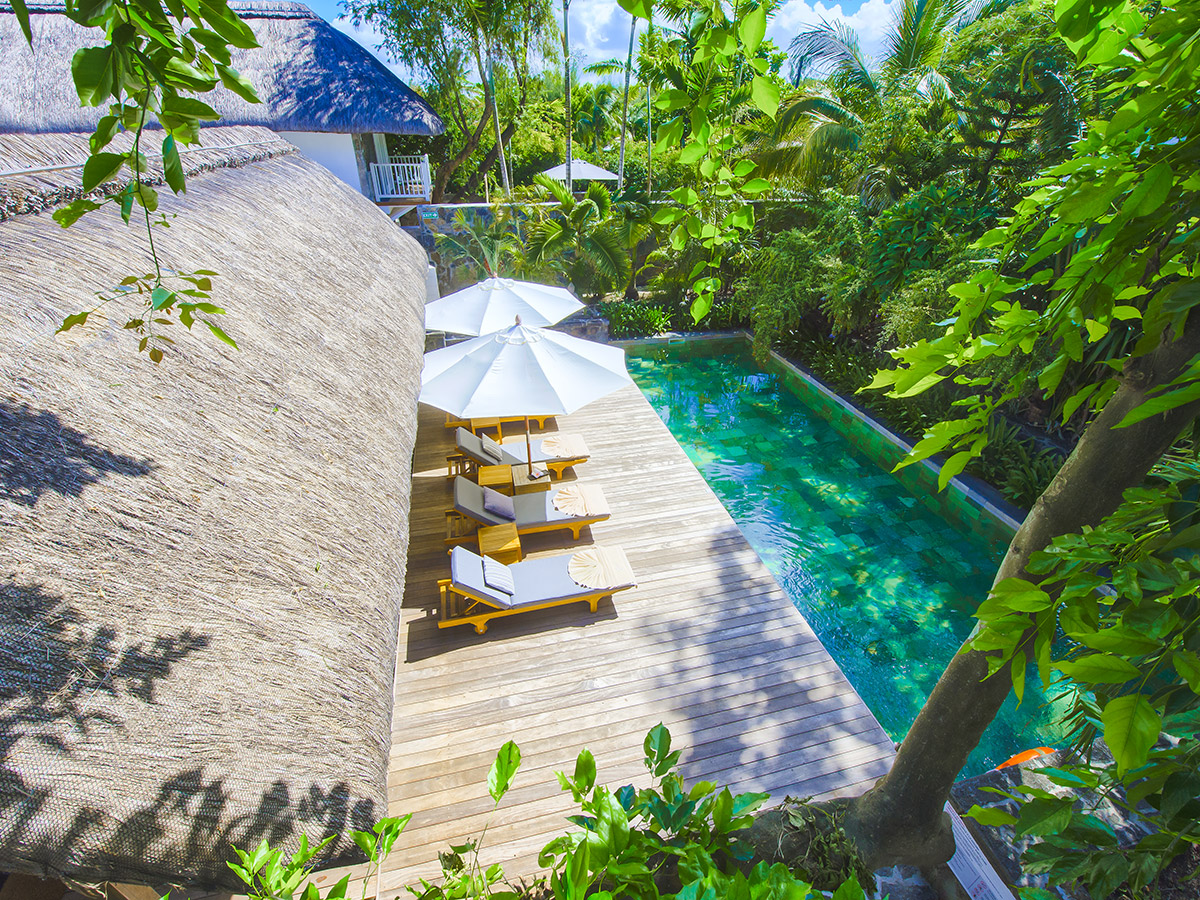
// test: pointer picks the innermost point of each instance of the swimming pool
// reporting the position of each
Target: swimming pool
(886, 580)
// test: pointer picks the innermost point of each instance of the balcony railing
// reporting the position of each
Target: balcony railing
(402, 178)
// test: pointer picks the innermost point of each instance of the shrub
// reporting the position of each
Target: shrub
(634, 319)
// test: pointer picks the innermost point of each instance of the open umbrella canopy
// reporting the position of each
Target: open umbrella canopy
(581, 170)
(494, 303)
(521, 371)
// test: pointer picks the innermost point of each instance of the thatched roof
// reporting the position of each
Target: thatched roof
(309, 75)
(202, 562)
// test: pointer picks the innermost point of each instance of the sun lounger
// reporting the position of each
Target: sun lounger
(530, 512)
(556, 452)
(479, 590)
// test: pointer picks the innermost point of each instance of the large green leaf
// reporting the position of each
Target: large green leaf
(173, 166)
(92, 71)
(765, 94)
(642, 9)
(500, 777)
(1099, 668)
(22, 14)
(1131, 726)
(101, 167)
(753, 28)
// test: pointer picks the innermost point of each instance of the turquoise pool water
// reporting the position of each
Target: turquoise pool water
(887, 583)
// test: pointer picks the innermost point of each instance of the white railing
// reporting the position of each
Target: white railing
(402, 177)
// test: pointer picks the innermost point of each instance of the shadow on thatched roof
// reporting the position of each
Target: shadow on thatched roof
(309, 75)
(202, 562)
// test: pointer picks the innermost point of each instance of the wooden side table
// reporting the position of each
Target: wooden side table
(499, 478)
(523, 484)
(500, 542)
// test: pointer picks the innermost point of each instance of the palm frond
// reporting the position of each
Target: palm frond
(919, 36)
(828, 48)
(603, 250)
(800, 111)
(556, 189)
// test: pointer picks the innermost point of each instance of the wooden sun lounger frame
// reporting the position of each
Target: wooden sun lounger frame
(459, 606)
(461, 464)
(461, 528)
(501, 421)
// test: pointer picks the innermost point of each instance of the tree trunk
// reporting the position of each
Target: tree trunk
(567, 83)
(1000, 136)
(900, 819)
(649, 124)
(442, 178)
(489, 159)
(491, 86)
(625, 109)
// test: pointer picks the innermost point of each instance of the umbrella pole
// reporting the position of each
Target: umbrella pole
(528, 447)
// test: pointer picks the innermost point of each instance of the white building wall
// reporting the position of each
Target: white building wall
(334, 151)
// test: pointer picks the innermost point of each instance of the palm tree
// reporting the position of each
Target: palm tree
(574, 237)
(595, 119)
(839, 91)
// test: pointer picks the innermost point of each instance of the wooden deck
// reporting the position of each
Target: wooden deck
(707, 644)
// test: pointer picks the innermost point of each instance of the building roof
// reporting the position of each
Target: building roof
(581, 170)
(309, 75)
(202, 561)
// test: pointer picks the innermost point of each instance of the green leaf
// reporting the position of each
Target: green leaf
(71, 321)
(67, 216)
(22, 14)
(216, 330)
(225, 22)
(173, 166)
(1131, 726)
(101, 167)
(753, 28)
(640, 8)
(92, 71)
(160, 297)
(585, 771)
(239, 84)
(106, 130)
(850, 889)
(1099, 668)
(756, 186)
(508, 760)
(994, 816)
(692, 152)
(365, 841)
(667, 215)
(701, 307)
(1187, 665)
(765, 94)
(1044, 816)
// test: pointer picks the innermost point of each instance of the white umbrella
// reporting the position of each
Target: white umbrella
(521, 371)
(581, 170)
(495, 302)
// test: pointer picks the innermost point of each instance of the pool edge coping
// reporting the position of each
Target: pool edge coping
(969, 493)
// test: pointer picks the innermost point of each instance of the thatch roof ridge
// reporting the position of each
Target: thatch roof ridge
(203, 562)
(38, 172)
(311, 77)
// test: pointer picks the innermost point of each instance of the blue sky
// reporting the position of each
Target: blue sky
(600, 28)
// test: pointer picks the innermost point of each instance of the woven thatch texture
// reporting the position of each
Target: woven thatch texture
(309, 75)
(201, 563)
(56, 161)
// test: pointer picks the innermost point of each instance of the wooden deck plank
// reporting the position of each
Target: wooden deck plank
(707, 643)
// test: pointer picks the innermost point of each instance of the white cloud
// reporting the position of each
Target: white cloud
(871, 21)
